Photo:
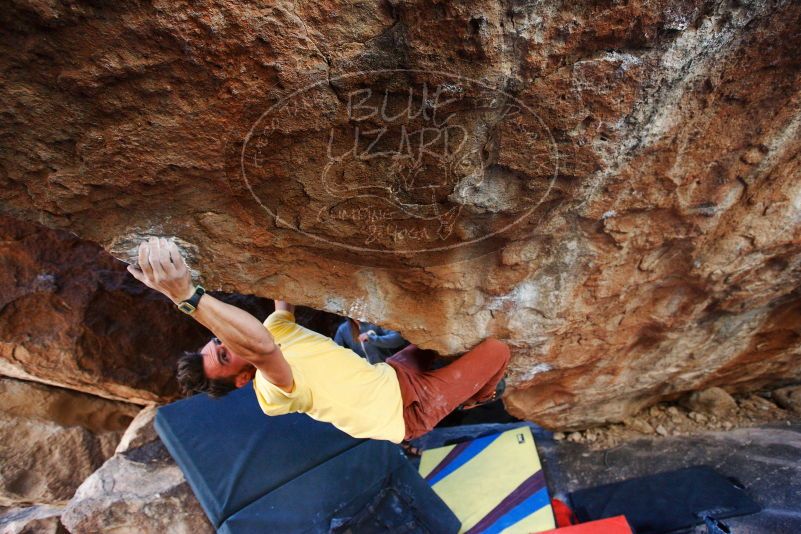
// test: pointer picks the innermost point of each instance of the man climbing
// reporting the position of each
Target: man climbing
(297, 370)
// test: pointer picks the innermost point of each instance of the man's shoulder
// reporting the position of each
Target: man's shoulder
(280, 316)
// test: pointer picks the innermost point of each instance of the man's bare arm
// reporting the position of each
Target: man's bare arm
(282, 305)
(246, 336)
(162, 268)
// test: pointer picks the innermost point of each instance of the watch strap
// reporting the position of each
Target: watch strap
(190, 305)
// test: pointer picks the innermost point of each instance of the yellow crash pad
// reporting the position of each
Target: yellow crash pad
(493, 484)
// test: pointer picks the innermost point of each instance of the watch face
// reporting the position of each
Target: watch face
(186, 307)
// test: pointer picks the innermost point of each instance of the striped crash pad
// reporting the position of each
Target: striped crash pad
(493, 484)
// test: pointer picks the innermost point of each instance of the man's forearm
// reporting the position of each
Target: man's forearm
(282, 305)
(388, 341)
(236, 328)
(160, 266)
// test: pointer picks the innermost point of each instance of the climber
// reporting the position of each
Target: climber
(368, 340)
(294, 369)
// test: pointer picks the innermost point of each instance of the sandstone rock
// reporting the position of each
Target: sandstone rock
(140, 432)
(42, 519)
(44, 462)
(698, 417)
(640, 425)
(148, 497)
(789, 398)
(70, 315)
(65, 407)
(754, 404)
(627, 220)
(51, 439)
(715, 401)
(762, 403)
(140, 490)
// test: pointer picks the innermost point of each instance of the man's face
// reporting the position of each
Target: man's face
(219, 362)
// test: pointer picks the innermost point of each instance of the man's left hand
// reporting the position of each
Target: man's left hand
(161, 267)
(366, 336)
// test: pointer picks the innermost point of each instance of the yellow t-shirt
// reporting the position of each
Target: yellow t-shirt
(332, 384)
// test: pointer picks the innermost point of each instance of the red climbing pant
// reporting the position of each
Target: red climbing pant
(430, 395)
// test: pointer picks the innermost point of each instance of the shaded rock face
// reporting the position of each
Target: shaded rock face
(42, 519)
(44, 462)
(789, 398)
(51, 439)
(138, 490)
(64, 407)
(613, 189)
(71, 315)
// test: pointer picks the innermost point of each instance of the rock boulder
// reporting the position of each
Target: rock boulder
(42, 519)
(140, 490)
(789, 398)
(610, 187)
(70, 315)
(51, 439)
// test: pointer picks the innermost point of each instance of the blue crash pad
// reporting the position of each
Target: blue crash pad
(252, 472)
(392, 499)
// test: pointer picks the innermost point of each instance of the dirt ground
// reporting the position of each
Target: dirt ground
(712, 410)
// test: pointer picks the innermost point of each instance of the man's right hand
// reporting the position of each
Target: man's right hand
(161, 267)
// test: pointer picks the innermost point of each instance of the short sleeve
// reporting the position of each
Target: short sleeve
(275, 401)
(280, 323)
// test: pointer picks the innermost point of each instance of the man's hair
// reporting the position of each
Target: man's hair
(192, 378)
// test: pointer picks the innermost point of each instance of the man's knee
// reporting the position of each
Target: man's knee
(498, 349)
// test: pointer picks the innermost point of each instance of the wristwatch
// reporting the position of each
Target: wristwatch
(189, 305)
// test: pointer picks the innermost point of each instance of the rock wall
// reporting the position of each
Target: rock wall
(139, 490)
(70, 315)
(51, 439)
(611, 188)
(42, 519)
